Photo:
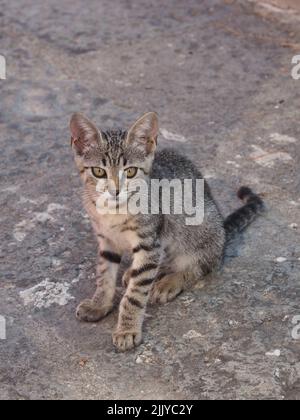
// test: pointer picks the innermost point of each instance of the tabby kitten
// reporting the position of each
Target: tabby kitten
(167, 254)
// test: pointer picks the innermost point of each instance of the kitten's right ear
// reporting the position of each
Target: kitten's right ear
(85, 134)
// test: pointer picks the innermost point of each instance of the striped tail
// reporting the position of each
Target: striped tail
(241, 218)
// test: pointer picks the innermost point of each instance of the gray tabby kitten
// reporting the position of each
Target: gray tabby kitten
(167, 255)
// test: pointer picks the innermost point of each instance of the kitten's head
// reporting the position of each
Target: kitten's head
(114, 161)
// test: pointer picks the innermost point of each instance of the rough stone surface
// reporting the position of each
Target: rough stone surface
(284, 4)
(220, 78)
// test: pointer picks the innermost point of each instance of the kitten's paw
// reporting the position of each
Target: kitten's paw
(127, 340)
(88, 311)
(166, 290)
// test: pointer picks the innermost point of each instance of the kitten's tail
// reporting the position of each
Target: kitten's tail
(241, 218)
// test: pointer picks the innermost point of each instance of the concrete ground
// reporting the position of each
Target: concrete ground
(219, 75)
(283, 4)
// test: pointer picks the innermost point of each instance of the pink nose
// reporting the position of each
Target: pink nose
(114, 192)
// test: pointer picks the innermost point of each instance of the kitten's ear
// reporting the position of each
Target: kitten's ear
(144, 132)
(85, 134)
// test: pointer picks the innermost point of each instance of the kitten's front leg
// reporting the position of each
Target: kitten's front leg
(92, 310)
(146, 258)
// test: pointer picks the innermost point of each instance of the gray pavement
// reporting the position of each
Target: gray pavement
(219, 75)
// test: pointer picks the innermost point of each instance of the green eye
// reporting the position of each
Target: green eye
(131, 172)
(99, 173)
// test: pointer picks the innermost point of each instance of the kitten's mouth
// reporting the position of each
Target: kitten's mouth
(108, 201)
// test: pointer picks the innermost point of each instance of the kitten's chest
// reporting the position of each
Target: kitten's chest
(113, 227)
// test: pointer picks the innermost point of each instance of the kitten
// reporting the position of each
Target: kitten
(167, 254)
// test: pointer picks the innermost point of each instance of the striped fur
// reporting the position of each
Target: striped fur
(243, 217)
(167, 256)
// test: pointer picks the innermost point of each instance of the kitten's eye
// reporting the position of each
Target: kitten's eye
(99, 173)
(131, 172)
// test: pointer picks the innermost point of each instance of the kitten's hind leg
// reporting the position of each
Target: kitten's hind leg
(92, 310)
(170, 286)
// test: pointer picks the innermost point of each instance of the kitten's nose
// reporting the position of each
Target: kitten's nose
(114, 192)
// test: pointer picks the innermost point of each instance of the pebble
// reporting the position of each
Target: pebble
(145, 357)
(139, 360)
(277, 373)
(294, 226)
(275, 353)
(192, 334)
(281, 259)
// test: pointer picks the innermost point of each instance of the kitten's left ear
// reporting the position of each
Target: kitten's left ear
(144, 132)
